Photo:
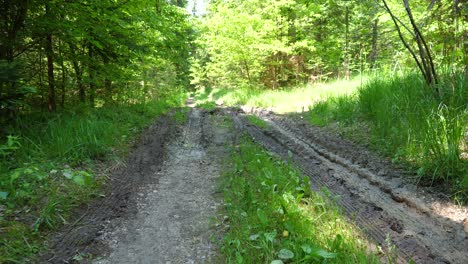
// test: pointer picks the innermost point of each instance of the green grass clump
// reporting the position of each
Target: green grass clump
(273, 215)
(208, 106)
(257, 121)
(409, 122)
(48, 167)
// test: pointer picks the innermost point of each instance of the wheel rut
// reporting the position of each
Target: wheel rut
(382, 206)
(174, 219)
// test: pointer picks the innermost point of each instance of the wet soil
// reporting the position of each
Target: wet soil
(424, 227)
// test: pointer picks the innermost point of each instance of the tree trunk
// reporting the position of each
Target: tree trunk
(375, 34)
(425, 53)
(13, 15)
(424, 61)
(52, 105)
(78, 74)
(92, 84)
(64, 76)
(108, 88)
(346, 60)
(107, 83)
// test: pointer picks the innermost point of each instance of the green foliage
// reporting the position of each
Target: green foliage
(257, 121)
(284, 43)
(274, 216)
(11, 145)
(409, 124)
(209, 106)
(101, 52)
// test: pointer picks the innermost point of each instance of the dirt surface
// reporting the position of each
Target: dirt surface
(174, 223)
(422, 225)
(81, 238)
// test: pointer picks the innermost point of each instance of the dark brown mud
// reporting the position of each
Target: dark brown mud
(372, 193)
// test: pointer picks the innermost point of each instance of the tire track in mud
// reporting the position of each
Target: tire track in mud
(382, 213)
(173, 220)
(81, 238)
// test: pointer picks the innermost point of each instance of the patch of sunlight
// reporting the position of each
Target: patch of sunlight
(287, 100)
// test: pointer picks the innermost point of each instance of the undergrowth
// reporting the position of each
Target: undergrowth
(49, 166)
(409, 122)
(274, 217)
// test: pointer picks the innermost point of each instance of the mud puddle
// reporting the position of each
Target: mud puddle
(372, 193)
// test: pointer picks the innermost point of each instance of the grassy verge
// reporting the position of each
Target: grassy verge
(282, 100)
(49, 166)
(274, 217)
(405, 120)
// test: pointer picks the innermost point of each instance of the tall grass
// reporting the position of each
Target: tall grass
(81, 134)
(410, 122)
(273, 215)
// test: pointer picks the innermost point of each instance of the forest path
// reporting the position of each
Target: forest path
(162, 205)
(174, 223)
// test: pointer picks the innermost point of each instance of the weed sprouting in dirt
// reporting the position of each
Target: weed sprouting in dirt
(257, 121)
(272, 214)
(208, 106)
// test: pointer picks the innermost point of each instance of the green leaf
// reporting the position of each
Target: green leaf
(15, 175)
(270, 236)
(285, 254)
(277, 261)
(67, 174)
(254, 237)
(307, 249)
(262, 217)
(317, 252)
(79, 179)
(324, 254)
(239, 258)
(3, 195)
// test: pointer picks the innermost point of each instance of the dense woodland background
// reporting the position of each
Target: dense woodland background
(79, 79)
(281, 43)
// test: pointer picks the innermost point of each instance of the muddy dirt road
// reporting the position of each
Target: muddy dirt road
(379, 198)
(161, 207)
(173, 221)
